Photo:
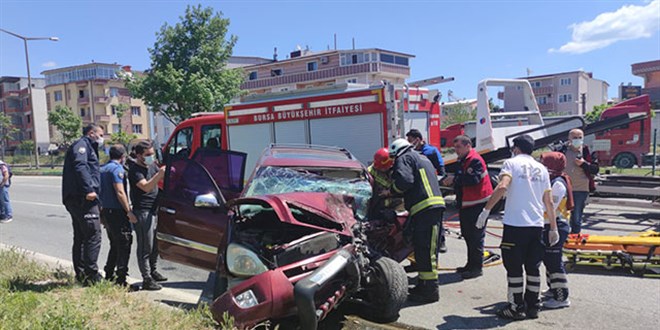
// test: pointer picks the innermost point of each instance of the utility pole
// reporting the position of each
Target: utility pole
(27, 62)
(583, 96)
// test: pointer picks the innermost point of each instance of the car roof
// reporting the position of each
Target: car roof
(308, 156)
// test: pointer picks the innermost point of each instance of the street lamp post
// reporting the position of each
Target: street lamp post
(27, 62)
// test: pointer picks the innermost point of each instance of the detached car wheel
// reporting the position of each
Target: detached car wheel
(389, 293)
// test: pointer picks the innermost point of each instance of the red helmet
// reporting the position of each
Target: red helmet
(382, 160)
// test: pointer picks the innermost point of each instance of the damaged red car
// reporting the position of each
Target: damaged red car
(294, 243)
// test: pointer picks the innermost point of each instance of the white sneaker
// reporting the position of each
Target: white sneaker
(8, 220)
(554, 304)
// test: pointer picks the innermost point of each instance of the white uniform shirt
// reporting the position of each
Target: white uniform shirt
(524, 200)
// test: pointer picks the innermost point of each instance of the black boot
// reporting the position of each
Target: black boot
(424, 292)
(151, 285)
(158, 277)
(512, 313)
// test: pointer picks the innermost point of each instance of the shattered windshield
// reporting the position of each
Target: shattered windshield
(278, 180)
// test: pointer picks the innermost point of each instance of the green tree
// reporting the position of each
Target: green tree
(7, 131)
(493, 107)
(67, 123)
(122, 138)
(189, 67)
(120, 110)
(457, 113)
(594, 115)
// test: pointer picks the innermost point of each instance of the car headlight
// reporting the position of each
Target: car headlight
(241, 261)
(246, 299)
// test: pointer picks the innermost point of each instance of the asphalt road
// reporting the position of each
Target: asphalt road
(600, 299)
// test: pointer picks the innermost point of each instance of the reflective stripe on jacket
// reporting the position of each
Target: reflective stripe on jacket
(414, 177)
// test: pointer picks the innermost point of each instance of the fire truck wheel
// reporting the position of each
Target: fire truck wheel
(624, 160)
(389, 293)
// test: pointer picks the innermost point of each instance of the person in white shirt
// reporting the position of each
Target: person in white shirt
(526, 184)
(562, 200)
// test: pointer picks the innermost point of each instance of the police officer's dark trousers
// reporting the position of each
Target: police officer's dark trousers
(523, 247)
(86, 221)
(120, 233)
(425, 240)
(147, 248)
(473, 236)
(552, 259)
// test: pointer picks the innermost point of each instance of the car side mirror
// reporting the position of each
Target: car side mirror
(207, 201)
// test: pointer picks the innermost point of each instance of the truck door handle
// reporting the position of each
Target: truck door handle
(167, 210)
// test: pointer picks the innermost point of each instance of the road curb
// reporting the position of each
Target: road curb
(169, 295)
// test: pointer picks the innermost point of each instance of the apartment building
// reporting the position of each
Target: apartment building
(305, 69)
(16, 103)
(650, 71)
(566, 93)
(94, 92)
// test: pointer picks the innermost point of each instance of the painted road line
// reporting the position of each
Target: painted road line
(37, 203)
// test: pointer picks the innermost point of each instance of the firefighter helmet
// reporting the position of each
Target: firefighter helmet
(398, 147)
(382, 160)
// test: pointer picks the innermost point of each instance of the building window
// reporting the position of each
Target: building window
(27, 118)
(114, 91)
(275, 72)
(252, 75)
(82, 112)
(387, 58)
(115, 128)
(136, 111)
(114, 110)
(536, 84)
(57, 95)
(565, 81)
(565, 98)
(542, 100)
(352, 80)
(312, 66)
(137, 129)
(81, 94)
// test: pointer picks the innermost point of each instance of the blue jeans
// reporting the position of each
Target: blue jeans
(6, 211)
(580, 200)
(552, 259)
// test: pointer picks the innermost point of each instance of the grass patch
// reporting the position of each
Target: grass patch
(41, 171)
(33, 296)
(629, 171)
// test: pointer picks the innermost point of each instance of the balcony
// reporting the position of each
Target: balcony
(326, 74)
(101, 99)
(11, 94)
(81, 83)
(546, 107)
(538, 91)
(103, 118)
(83, 100)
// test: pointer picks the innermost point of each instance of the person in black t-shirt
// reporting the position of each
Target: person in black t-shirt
(143, 176)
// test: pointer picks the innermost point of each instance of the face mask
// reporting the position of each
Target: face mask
(577, 142)
(149, 160)
(99, 140)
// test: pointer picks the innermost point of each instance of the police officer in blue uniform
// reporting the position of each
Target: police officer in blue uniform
(81, 186)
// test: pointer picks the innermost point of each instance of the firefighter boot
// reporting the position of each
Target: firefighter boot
(426, 291)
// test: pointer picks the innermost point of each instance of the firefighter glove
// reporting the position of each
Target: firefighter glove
(553, 237)
(483, 216)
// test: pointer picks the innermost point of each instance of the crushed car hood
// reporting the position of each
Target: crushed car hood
(331, 207)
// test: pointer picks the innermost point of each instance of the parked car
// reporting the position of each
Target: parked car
(297, 241)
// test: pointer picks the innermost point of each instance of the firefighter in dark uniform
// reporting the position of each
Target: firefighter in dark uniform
(473, 188)
(414, 177)
(81, 186)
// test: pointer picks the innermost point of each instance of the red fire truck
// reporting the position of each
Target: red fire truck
(359, 118)
(625, 145)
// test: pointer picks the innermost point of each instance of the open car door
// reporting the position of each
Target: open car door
(192, 217)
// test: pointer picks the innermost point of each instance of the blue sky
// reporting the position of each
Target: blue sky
(469, 40)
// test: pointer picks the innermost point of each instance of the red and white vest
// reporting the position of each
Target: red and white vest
(479, 193)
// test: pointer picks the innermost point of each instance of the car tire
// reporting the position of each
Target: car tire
(220, 284)
(389, 293)
(624, 160)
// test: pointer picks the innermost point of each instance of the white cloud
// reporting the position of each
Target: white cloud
(49, 64)
(627, 23)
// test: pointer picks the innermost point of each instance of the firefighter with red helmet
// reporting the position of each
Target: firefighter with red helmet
(414, 177)
(383, 205)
